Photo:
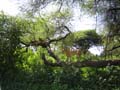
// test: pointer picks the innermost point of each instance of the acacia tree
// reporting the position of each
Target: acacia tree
(110, 12)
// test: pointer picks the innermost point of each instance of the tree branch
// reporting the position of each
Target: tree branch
(102, 63)
(113, 48)
(61, 38)
(42, 43)
(46, 43)
(53, 55)
(46, 62)
(95, 64)
(78, 64)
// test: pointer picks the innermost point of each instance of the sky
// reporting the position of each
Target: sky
(12, 8)
(9, 7)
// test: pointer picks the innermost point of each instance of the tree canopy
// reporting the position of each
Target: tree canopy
(33, 46)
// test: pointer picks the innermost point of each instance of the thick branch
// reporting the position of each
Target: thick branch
(42, 43)
(97, 64)
(46, 43)
(46, 62)
(102, 63)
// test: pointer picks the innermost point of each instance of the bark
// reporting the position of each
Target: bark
(95, 64)
(46, 43)
(102, 63)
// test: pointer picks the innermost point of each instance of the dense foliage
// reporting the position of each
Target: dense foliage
(30, 50)
(21, 69)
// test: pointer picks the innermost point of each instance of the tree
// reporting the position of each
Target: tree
(11, 31)
(62, 28)
(44, 68)
(46, 43)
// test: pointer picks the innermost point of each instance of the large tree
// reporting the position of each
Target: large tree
(108, 10)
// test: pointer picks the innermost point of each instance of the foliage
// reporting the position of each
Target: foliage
(10, 32)
(87, 38)
(21, 68)
(67, 78)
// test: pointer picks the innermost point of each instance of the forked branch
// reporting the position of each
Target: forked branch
(60, 63)
(46, 43)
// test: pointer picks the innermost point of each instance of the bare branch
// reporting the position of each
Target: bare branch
(61, 38)
(101, 63)
(42, 43)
